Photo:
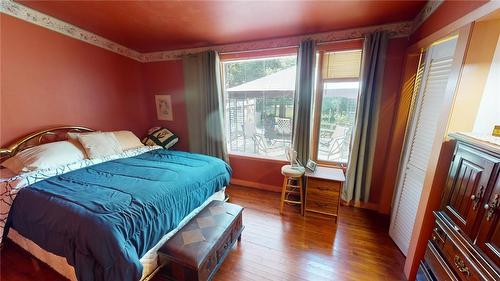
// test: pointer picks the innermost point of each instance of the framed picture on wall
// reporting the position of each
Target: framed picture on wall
(164, 107)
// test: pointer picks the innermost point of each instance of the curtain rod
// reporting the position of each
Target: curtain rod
(258, 49)
(339, 41)
(290, 46)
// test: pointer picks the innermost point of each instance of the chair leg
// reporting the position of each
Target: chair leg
(301, 196)
(283, 191)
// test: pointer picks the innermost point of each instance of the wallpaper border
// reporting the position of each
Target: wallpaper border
(429, 8)
(399, 29)
(19, 11)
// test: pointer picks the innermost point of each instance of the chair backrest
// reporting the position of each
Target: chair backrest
(283, 125)
(249, 128)
(260, 143)
(339, 144)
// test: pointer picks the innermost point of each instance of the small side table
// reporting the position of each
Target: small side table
(323, 187)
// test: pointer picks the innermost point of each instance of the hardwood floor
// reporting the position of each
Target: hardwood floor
(274, 247)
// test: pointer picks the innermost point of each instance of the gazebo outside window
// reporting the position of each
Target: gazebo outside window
(259, 102)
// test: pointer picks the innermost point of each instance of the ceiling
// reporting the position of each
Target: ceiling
(148, 26)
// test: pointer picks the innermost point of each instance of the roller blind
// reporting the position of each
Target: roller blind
(341, 64)
(419, 140)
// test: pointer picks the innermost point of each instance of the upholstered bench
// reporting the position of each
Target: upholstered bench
(198, 249)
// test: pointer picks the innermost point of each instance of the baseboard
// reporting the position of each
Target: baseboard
(362, 205)
(273, 188)
(256, 185)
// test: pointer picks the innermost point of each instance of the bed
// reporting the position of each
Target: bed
(105, 220)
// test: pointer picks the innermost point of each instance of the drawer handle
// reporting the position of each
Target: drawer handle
(491, 208)
(438, 231)
(321, 205)
(476, 198)
(323, 188)
(459, 263)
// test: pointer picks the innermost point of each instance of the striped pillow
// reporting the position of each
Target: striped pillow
(160, 136)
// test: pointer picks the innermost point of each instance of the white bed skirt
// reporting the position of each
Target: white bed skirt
(149, 261)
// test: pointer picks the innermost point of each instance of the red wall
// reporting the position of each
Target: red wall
(445, 14)
(167, 78)
(49, 79)
(388, 103)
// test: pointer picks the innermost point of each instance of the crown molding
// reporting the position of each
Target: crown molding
(395, 30)
(429, 8)
(19, 11)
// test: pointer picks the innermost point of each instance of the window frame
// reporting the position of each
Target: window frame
(318, 94)
(250, 55)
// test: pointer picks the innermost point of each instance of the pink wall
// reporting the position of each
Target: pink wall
(49, 79)
(167, 78)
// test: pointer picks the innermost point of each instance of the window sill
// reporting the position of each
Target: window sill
(257, 158)
(337, 165)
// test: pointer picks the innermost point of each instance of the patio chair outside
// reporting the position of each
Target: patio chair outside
(262, 147)
(338, 148)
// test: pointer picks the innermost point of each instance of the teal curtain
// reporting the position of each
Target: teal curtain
(359, 170)
(303, 99)
(204, 104)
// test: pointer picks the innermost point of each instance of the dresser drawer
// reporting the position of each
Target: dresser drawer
(323, 187)
(459, 262)
(438, 237)
(326, 205)
(423, 273)
(440, 270)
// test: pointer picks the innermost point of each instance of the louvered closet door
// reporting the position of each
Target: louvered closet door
(426, 110)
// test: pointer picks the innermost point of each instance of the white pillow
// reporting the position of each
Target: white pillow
(127, 140)
(73, 138)
(99, 145)
(44, 156)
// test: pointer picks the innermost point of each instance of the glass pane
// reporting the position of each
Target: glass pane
(338, 113)
(259, 100)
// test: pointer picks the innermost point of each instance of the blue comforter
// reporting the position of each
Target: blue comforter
(105, 217)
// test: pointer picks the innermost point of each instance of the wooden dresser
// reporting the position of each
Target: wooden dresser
(465, 243)
(323, 187)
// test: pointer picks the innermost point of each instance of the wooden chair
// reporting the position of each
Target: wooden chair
(292, 185)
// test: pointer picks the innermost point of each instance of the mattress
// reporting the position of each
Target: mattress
(150, 260)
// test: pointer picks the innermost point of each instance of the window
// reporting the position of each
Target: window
(336, 103)
(259, 105)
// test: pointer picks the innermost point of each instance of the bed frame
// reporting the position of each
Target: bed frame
(40, 137)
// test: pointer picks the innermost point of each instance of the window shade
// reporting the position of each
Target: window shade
(341, 65)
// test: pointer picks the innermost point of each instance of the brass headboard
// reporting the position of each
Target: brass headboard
(40, 137)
